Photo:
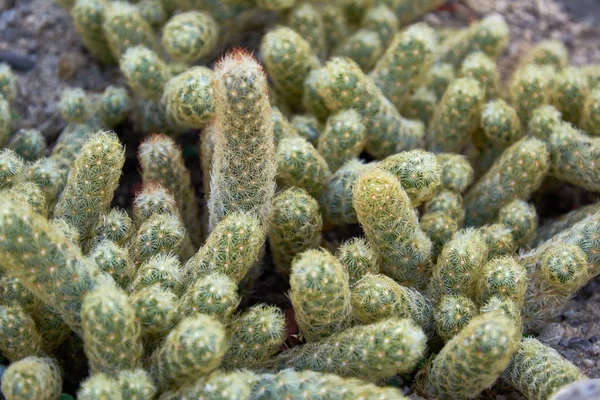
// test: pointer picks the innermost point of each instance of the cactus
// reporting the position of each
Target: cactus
(457, 116)
(359, 259)
(457, 173)
(312, 100)
(13, 293)
(420, 105)
(439, 227)
(538, 371)
(153, 11)
(409, 10)
(308, 22)
(418, 172)
(335, 24)
(300, 164)
(151, 116)
(336, 199)
(190, 36)
(124, 27)
(282, 127)
(448, 202)
(502, 277)
(521, 218)
(543, 121)
(144, 71)
(565, 221)
(569, 92)
(592, 73)
(256, 335)
(162, 270)
(372, 352)
(136, 385)
(88, 17)
(45, 174)
(390, 223)
(550, 52)
(28, 143)
(342, 139)
(498, 238)
(483, 69)
(508, 308)
(288, 59)
(115, 226)
(8, 83)
(590, 114)
(295, 226)
(243, 141)
(472, 360)
(193, 348)
(530, 88)
(113, 260)
(11, 168)
(91, 183)
(382, 20)
(69, 231)
(37, 378)
(19, 336)
(189, 98)
(153, 200)
(99, 387)
(563, 268)
(215, 295)
(378, 297)
(438, 78)
(111, 333)
(156, 310)
(206, 152)
(500, 123)
(113, 105)
(75, 106)
(403, 65)
(232, 248)
(363, 46)
(32, 194)
(160, 234)
(452, 314)
(5, 120)
(307, 126)
(516, 174)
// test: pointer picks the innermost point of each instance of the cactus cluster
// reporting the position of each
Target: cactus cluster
(366, 205)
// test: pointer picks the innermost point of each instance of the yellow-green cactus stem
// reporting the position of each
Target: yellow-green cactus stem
(75, 105)
(124, 27)
(114, 260)
(382, 20)
(19, 335)
(111, 332)
(457, 116)
(448, 202)
(300, 164)
(312, 100)
(574, 157)
(439, 227)
(498, 238)
(569, 93)
(190, 36)
(275, 5)
(206, 149)
(256, 335)
(359, 259)
(153, 11)
(92, 181)
(189, 98)
(136, 385)
(592, 72)
(390, 223)
(32, 194)
(508, 308)
(320, 294)
(565, 221)
(410, 10)
(543, 121)
(100, 387)
(88, 18)
(439, 77)
(37, 378)
(342, 85)
(590, 114)
(371, 352)
(335, 24)
(38, 253)
(153, 199)
(550, 52)
(502, 277)
(44, 173)
(363, 46)
(490, 36)
(113, 105)
(563, 267)
(405, 62)
(457, 172)
(151, 116)
(288, 59)
(342, 139)
(8, 83)
(160, 234)
(538, 371)
(69, 231)
(459, 266)
(516, 174)
(11, 168)
(472, 360)
(28, 143)
(115, 226)
(452, 314)
(282, 127)
(484, 70)
(162, 270)
(500, 123)
(418, 172)
(5, 120)
(51, 326)
(231, 248)
(530, 87)
(522, 220)
(144, 71)
(162, 162)
(336, 199)
(220, 385)
(420, 105)
(308, 22)
(13, 293)
(295, 226)
(307, 126)
(195, 347)
(215, 295)
(156, 310)
(378, 297)
(244, 141)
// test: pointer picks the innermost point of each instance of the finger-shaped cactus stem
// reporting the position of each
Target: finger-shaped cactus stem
(99, 387)
(342, 139)
(153, 199)
(8, 83)
(136, 385)
(115, 261)
(439, 227)
(5, 120)
(484, 70)
(115, 226)
(28, 143)
(550, 52)
(569, 93)
(160, 234)
(37, 378)
(522, 220)
(162, 270)
(32, 195)
(307, 126)
(335, 24)
(500, 123)
(359, 259)
(420, 105)
(410, 10)
(44, 173)
(336, 199)
(448, 202)
(190, 36)
(564, 222)
(438, 78)
(308, 22)
(124, 27)
(312, 100)
(507, 308)
(215, 295)
(88, 18)
(145, 72)
(530, 88)
(363, 46)
(11, 168)
(382, 20)
(502, 277)
(156, 309)
(590, 114)
(114, 105)
(13, 293)
(452, 313)
(498, 239)
(19, 335)
(457, 173)
(75, 105)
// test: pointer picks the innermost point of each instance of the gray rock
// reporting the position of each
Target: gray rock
(585, 389)
(552, 334)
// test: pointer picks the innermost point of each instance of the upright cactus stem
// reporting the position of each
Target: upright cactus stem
(457, 173)
(405, 62)
(28, 143)
(522, 220)
(243, 176)
(543, 121)
(190, 36)
(8, 83)
(308, 22)
(136, 385)
(5, 120)
(145, 72)
(113, 260)
(342, 139)
(161, 270)
(452, 314)
(358, 258)
(288, 60)
(484, 70)
(37, 378)
(75, 106)
(439, 77)
(113, 105)
(363, 46)
(516, 174)
(590, 114)
(160, 234)
(550, 52)
(11, 168)
(500, 123)
(124, 27)
(215, 295)
(19, 335)
(156, 310)
(382, 20)
(99, 387)
(502, 277)
(336, 199)
(569, 93)
(530, 88)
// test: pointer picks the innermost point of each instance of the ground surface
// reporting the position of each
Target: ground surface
(38, 37)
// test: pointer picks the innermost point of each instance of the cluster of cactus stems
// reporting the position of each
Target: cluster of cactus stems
(352, 115)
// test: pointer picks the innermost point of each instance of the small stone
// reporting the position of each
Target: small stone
(584, 389)
(552, 334)
(588, 363)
